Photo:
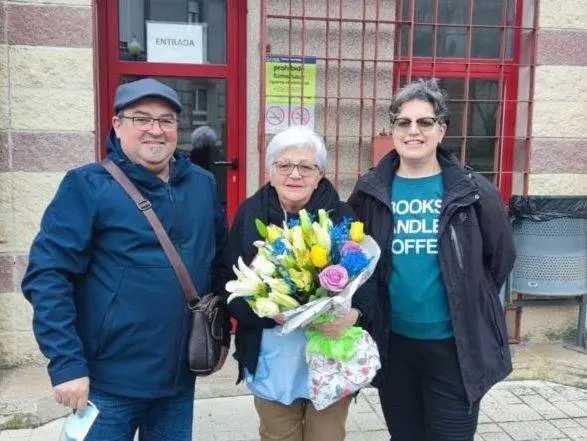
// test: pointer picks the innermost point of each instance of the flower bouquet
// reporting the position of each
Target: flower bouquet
(307, 271)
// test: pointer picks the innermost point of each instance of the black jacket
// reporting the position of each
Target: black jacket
(476, 253)
(264, 205)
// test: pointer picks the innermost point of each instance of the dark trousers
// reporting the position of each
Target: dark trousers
(423, 396)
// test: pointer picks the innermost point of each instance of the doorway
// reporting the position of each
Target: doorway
(194, 47)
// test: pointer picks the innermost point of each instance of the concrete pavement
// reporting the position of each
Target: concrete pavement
(516, 410)
(513, 410)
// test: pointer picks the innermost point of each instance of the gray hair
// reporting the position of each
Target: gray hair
(296, 137)
(203, 136)
(425, 90)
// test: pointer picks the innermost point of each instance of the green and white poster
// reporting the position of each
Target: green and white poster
(290, 92)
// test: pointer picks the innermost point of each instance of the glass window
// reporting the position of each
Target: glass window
(451, 41)
(173, 31)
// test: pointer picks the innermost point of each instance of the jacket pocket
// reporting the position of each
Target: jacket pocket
(494, 320)
(457, 247)
(102, 322)
(107, 319)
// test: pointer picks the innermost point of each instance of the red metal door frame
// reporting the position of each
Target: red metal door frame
(110, 68)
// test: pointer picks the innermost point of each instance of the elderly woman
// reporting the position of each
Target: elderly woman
(447, 248)
(273, 366)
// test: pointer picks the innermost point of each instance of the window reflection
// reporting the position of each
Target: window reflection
(134, 17)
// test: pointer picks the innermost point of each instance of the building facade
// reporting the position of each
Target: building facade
(515, 71)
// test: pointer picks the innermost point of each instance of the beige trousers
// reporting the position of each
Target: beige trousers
(300, 421)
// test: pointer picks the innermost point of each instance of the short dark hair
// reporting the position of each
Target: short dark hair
(425, 90)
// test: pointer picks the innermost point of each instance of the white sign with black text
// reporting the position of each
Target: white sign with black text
(175, 42)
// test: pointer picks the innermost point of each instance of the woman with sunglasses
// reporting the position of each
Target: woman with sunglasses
(447, 248)
(273, 367)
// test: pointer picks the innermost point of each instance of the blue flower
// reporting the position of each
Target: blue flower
(354, 262)
(279, 248)
(339, 234)
(295, 221)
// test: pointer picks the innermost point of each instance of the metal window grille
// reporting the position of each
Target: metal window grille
(483, 52)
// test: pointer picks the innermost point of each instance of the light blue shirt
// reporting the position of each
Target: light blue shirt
(282, 371)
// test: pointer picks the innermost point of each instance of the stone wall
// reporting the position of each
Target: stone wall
(558, 163)
(47, 122)
(558, 149)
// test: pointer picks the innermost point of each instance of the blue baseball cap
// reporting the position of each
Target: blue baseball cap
(130, 93)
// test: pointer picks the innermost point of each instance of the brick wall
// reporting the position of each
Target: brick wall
(559, 147)
(46, 127)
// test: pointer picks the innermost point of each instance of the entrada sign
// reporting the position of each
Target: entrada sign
(175, 42)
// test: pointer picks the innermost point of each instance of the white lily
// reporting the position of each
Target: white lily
(242, 288)
(324, 220)
(237, 272)
(277, 285)
(297, 238)
(284, 300)
(322, 236)
(265, 307)
(247, 284)
(262, 265)
(247, 272)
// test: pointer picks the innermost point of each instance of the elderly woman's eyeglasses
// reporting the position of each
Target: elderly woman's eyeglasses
(146, 122)
(404, 124)
(286, 168)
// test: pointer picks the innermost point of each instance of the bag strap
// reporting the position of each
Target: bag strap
(145, 207)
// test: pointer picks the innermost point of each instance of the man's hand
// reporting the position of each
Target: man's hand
(73, 393)
(223, 355)
(280, 319)
(336, 328)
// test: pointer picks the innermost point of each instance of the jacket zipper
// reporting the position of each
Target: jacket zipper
(457, 246)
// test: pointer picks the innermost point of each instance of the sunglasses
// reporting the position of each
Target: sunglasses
(424, 124)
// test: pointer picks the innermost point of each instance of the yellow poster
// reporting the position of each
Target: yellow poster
(287, 80)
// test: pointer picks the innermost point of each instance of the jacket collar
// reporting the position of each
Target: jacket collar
(180, 165)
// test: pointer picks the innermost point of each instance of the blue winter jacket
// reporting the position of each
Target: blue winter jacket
(107, 303)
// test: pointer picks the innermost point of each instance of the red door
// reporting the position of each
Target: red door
(197, 48)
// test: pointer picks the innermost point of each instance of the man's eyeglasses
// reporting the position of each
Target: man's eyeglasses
(146, 122)
(286, 168)
(424, 124)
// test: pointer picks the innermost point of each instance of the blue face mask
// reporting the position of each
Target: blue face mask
(78, 424)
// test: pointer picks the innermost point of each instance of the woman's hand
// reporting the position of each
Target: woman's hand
(280, 319)
(336, 328)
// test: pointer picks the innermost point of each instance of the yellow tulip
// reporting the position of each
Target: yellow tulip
(319, 256)
(273, 233)
(357, 231)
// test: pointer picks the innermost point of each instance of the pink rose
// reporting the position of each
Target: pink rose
(334, 278)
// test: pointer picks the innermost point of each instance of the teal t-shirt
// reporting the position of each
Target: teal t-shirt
(419, 305)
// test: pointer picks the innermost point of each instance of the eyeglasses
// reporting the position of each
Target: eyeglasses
(286, 168)
(424, 124)
(146, 122)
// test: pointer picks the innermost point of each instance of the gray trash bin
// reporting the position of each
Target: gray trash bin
(551, 242)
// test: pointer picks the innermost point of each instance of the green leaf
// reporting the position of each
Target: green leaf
(261, 228)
